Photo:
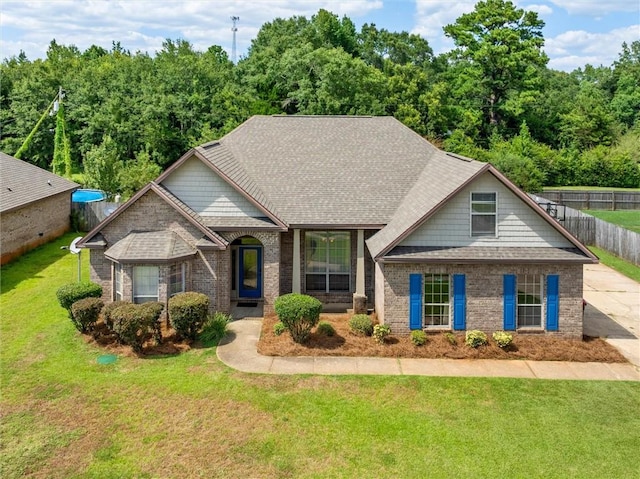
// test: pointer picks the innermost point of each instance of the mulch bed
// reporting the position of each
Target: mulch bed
(533, 347)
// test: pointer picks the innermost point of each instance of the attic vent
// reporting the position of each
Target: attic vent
(458, 157)
(208, 146)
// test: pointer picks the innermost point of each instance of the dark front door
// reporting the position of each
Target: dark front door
(249, 271)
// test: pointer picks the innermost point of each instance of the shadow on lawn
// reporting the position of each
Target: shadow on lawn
(29, 265)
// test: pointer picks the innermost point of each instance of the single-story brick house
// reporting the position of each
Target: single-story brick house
(35, 206)
(352, 210)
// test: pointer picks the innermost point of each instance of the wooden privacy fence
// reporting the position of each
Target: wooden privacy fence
(88, 215)
(602, 234)
(595, 200)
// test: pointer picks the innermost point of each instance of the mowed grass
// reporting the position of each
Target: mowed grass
(629, 219)
(65, 416)
(630, 270)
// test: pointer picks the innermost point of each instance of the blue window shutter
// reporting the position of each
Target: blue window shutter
(459, 302)
(415, 301)
(553, 303)
(509, 310)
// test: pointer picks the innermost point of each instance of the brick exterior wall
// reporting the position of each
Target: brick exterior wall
(286, 270)
(484, 285)
(35, 224)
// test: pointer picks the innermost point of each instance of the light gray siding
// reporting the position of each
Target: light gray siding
(207, 193)
(518, 224)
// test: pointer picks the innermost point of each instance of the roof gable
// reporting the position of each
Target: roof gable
(23, 183)
(166, 196)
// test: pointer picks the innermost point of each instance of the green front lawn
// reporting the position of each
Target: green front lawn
(65, 416)
(629, 219)
(630, 270)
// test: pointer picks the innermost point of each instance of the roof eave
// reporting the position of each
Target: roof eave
(387, 259)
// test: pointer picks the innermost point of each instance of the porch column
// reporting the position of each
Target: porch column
(359, 297)
(295, 286)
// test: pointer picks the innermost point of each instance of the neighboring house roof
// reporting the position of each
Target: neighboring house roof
(214, 239)
(22, 183)
(150, 247)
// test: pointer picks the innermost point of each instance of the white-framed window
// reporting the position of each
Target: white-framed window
(176, 279)
(118, 272)
(529, 306)
(328, 261)
(145, 283)
(437, 300)
(484, 214)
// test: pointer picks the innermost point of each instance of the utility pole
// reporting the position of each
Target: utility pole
(234, 29)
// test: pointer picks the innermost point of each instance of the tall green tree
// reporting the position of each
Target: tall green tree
(498, 54)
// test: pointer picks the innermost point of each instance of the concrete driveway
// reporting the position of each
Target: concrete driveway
(613, 311)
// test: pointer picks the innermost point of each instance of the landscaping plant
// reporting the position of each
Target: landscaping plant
(324, 327)
(475, 338)
(215, 328)
(85, 313)
(72, 292)
(188, 312)
(503, 339)
(279, 328)
(418, 337)
(380, 333)
(361, 324)
(299, 313)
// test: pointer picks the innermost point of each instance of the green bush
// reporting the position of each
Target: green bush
(215, 328)
(361, 324)
(131, 324)
(299, 313)
(188, 312)
(279, 328)
(152, 311)
(72, 292)
(503, 339)
(451, 338)
(108, 309)
(325, 328)
(475, 338)
(85, 313)
(418, 337)
(380, 333)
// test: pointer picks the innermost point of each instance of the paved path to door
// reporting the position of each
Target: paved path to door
(606, 292)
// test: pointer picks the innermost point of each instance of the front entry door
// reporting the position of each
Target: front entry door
(249, 271)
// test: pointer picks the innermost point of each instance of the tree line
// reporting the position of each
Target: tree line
(129, 115)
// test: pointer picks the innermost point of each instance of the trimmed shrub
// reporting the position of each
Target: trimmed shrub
(188, 312)
(451, 338)
(380, 333)
(131, 324)
(299, 313)
(85, 313)
(325, 328)
(279, 328)
(475, 338)
(72, 292)
(108, 309)
(361, 324)
(503, 339)
(152, 311)
(215, 328)
(418, 337)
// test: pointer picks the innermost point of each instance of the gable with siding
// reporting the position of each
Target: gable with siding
(207, 193)
(518, 224)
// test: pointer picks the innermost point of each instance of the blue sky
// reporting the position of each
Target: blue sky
(577, 32)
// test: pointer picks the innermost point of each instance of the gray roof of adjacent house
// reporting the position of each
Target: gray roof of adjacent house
(22, 183)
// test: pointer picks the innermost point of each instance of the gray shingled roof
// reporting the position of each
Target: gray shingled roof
(149, 247)
(22, 183)
(325, 170)
(483, 254)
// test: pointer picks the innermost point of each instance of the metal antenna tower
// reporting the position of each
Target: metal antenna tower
(234, 29)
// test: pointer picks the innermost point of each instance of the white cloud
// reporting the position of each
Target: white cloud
(541, 10)
(597, 8)
(576, 48)
(143, 24)
(433, 15)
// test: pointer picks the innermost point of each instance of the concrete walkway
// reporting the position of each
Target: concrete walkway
(606, 291)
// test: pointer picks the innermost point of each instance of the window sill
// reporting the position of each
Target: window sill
(530, 330)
